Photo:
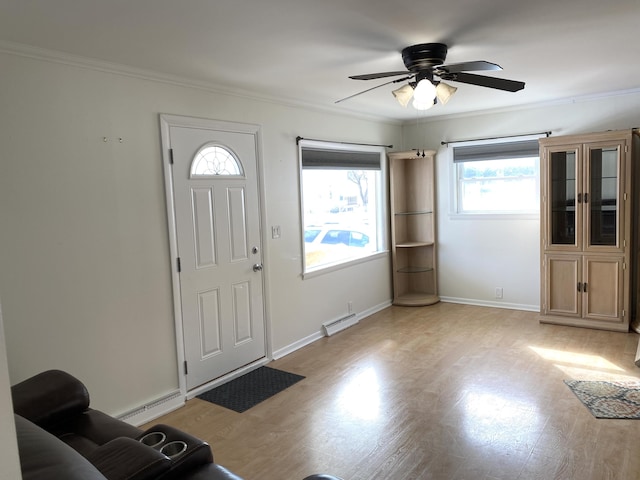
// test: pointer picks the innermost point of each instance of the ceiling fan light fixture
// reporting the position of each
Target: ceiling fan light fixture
(423, 105)
(424, 95)
(426, 61)
(425, 91)
(444, 92)
(403, 94)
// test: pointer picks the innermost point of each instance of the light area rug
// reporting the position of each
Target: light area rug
(620, 399)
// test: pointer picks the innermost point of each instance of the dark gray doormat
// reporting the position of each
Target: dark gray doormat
(250, 389)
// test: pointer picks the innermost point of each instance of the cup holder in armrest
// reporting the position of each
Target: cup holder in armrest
(184, 451)
(153, 439)
(174, 449)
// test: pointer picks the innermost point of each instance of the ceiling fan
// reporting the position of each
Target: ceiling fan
(425, 63)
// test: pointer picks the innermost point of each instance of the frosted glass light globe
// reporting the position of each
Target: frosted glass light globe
(424, 95)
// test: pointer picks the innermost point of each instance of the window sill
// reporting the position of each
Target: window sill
(494, 216)
(342, 265)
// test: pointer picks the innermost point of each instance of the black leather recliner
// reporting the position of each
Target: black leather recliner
(61, 437)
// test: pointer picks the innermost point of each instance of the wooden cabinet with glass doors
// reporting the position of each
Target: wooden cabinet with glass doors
(587, 238)
(413, 245)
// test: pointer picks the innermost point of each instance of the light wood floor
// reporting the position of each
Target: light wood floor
(442, 392)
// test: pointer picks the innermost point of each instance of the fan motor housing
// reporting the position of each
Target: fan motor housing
(424, 56)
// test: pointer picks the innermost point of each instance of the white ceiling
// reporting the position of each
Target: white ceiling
(304, 50)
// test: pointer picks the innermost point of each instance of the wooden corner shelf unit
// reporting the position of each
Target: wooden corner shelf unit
(413, 245)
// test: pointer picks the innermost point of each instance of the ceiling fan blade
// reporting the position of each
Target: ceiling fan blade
(482, 81)
(373, 88)
(476, 66)
(373, 76)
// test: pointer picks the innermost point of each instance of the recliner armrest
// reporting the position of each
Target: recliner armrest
(189, 453)
(126, 458)
(49, 396)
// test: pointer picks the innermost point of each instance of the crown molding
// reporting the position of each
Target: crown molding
(527, 106)
(54, 56)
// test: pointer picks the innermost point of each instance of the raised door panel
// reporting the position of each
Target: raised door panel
(602, 288)
(562, 276)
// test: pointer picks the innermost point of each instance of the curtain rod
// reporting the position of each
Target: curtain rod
(496, 138)
(343, 143)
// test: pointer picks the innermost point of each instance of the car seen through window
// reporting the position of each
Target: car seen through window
(334, 236)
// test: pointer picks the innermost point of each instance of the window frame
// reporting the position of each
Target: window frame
(381, 215)
(454, 182)
(199, 156)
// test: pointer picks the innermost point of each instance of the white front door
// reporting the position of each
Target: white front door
(217, 222)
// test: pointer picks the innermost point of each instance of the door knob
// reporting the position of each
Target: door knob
(257, 267)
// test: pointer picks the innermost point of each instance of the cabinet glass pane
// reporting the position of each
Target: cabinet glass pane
(603, 198)
(563, 198)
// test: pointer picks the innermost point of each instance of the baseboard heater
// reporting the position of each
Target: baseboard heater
(149, 406)
(335, 326)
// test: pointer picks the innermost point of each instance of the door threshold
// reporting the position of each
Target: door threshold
(227, 378)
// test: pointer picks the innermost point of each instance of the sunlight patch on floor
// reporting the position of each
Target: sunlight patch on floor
(360, 398)
(583, 366)
(494, 419)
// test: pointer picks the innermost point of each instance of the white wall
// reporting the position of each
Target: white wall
(85, 277)
(475, 256)
(85, 267)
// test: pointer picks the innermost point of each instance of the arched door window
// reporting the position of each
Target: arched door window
(215, 160)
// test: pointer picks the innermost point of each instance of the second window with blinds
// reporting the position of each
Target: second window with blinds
(497, 178)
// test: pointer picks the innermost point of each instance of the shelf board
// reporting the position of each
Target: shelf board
(411, 269)
(416, 212)
(408, 244)
(416, 299)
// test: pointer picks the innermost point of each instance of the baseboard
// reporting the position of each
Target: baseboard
(375, 309)
(153, 410)
(282, 352)
(485, 303)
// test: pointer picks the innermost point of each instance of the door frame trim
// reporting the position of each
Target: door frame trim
(166, 122)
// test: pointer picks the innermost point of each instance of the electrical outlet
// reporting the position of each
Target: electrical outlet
(498, 292)
(350, 306)
(275, 231)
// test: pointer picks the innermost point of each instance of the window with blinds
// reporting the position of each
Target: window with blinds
(497, 178)
(342, 202)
